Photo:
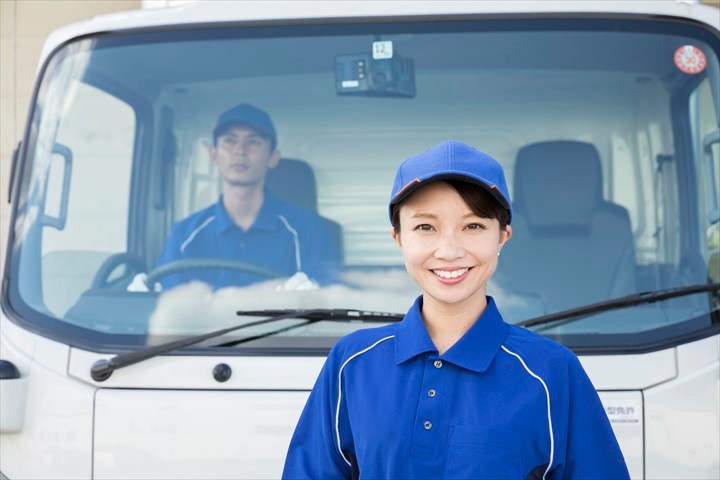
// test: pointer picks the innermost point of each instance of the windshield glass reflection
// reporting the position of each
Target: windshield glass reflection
(165, 192)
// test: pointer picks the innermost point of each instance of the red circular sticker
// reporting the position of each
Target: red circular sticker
(690, 59)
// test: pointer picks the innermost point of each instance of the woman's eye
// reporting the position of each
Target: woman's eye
(424, 227)
(476, 226)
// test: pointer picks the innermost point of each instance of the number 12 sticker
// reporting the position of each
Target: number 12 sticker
(382, 50)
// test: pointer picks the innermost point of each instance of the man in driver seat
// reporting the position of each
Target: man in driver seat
(247, 224)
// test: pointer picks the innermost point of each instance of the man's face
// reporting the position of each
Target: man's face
(243, 156)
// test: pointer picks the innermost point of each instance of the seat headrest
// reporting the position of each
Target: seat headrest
(558, 183)
(293, 182)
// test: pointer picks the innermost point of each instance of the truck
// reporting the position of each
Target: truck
(604, 116)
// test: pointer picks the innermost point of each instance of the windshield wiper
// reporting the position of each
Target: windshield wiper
(327, 314)
(102, 369)
(312, 316)
(617, 303)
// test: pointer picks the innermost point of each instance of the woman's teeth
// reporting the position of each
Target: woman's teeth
(450, 273)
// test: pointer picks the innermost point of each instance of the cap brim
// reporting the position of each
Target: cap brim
(413, 186)
(241, 123)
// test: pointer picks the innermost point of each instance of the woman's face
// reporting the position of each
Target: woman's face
(449, 251)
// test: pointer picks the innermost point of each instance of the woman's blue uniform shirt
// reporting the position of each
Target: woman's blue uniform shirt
(283, 238)
(502, 403)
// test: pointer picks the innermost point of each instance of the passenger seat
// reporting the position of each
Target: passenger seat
(569, 246)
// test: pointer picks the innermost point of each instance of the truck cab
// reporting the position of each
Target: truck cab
(604, 116)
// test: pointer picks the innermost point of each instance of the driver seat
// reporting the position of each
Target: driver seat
(293, 182)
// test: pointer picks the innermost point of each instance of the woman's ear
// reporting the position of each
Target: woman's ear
(396, 236)
(505, 236)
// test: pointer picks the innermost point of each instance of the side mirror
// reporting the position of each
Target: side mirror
(712, 165)
(712, 169)
(13, 398)
(13, 172)
(58, 178)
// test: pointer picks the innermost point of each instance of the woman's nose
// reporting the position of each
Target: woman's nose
(449, 248)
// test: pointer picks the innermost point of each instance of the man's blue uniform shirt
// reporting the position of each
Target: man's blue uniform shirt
(284, 238)
(502, 403)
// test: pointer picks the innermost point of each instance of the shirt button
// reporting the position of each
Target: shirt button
(431, 392)
(438, 363)
(427, 425)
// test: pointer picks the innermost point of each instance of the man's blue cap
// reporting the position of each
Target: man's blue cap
(451, 160)
(248, 115)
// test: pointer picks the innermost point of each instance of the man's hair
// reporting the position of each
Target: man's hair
(480, 201)
(225, 128)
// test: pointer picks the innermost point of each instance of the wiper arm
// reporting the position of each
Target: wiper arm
(313, 316)
(622, 302)
(102, 369)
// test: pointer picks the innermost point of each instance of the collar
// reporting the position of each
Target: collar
(475, 350)
(267, 218)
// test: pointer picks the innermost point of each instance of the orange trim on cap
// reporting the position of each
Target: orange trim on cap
(417, 180)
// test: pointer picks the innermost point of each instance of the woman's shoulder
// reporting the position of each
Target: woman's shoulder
(537, 350)
(363, 340)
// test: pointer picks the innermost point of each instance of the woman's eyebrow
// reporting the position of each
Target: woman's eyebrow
(432, 215)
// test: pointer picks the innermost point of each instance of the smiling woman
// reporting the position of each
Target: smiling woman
(467, 394)
(450, 251)
(605, 124)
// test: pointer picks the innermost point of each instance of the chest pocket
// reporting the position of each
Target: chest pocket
(483, 453)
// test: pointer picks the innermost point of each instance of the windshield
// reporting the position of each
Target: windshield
(604, 128)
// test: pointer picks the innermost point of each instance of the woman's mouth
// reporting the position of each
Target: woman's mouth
(450, 276)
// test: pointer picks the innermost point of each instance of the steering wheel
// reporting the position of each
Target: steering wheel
(133, 263)
(185, 264)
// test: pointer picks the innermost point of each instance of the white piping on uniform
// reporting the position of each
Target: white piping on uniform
(298, 263)
(547, 395)
(195, 232)
(337, 410)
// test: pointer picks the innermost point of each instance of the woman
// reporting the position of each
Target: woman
(452, 391)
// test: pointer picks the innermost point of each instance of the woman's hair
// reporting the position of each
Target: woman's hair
(480, 201)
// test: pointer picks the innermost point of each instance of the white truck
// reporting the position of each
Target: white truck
(101, 381)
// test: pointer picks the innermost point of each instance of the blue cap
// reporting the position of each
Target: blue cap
(451, 160)
(248, 115)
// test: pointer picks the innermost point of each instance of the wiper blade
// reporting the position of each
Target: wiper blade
(329, 314)
(102, 369)
(622, 302)
(313, 316)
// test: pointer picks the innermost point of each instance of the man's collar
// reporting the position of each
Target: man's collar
(475, 350)
(267, 218)
(222, 219)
